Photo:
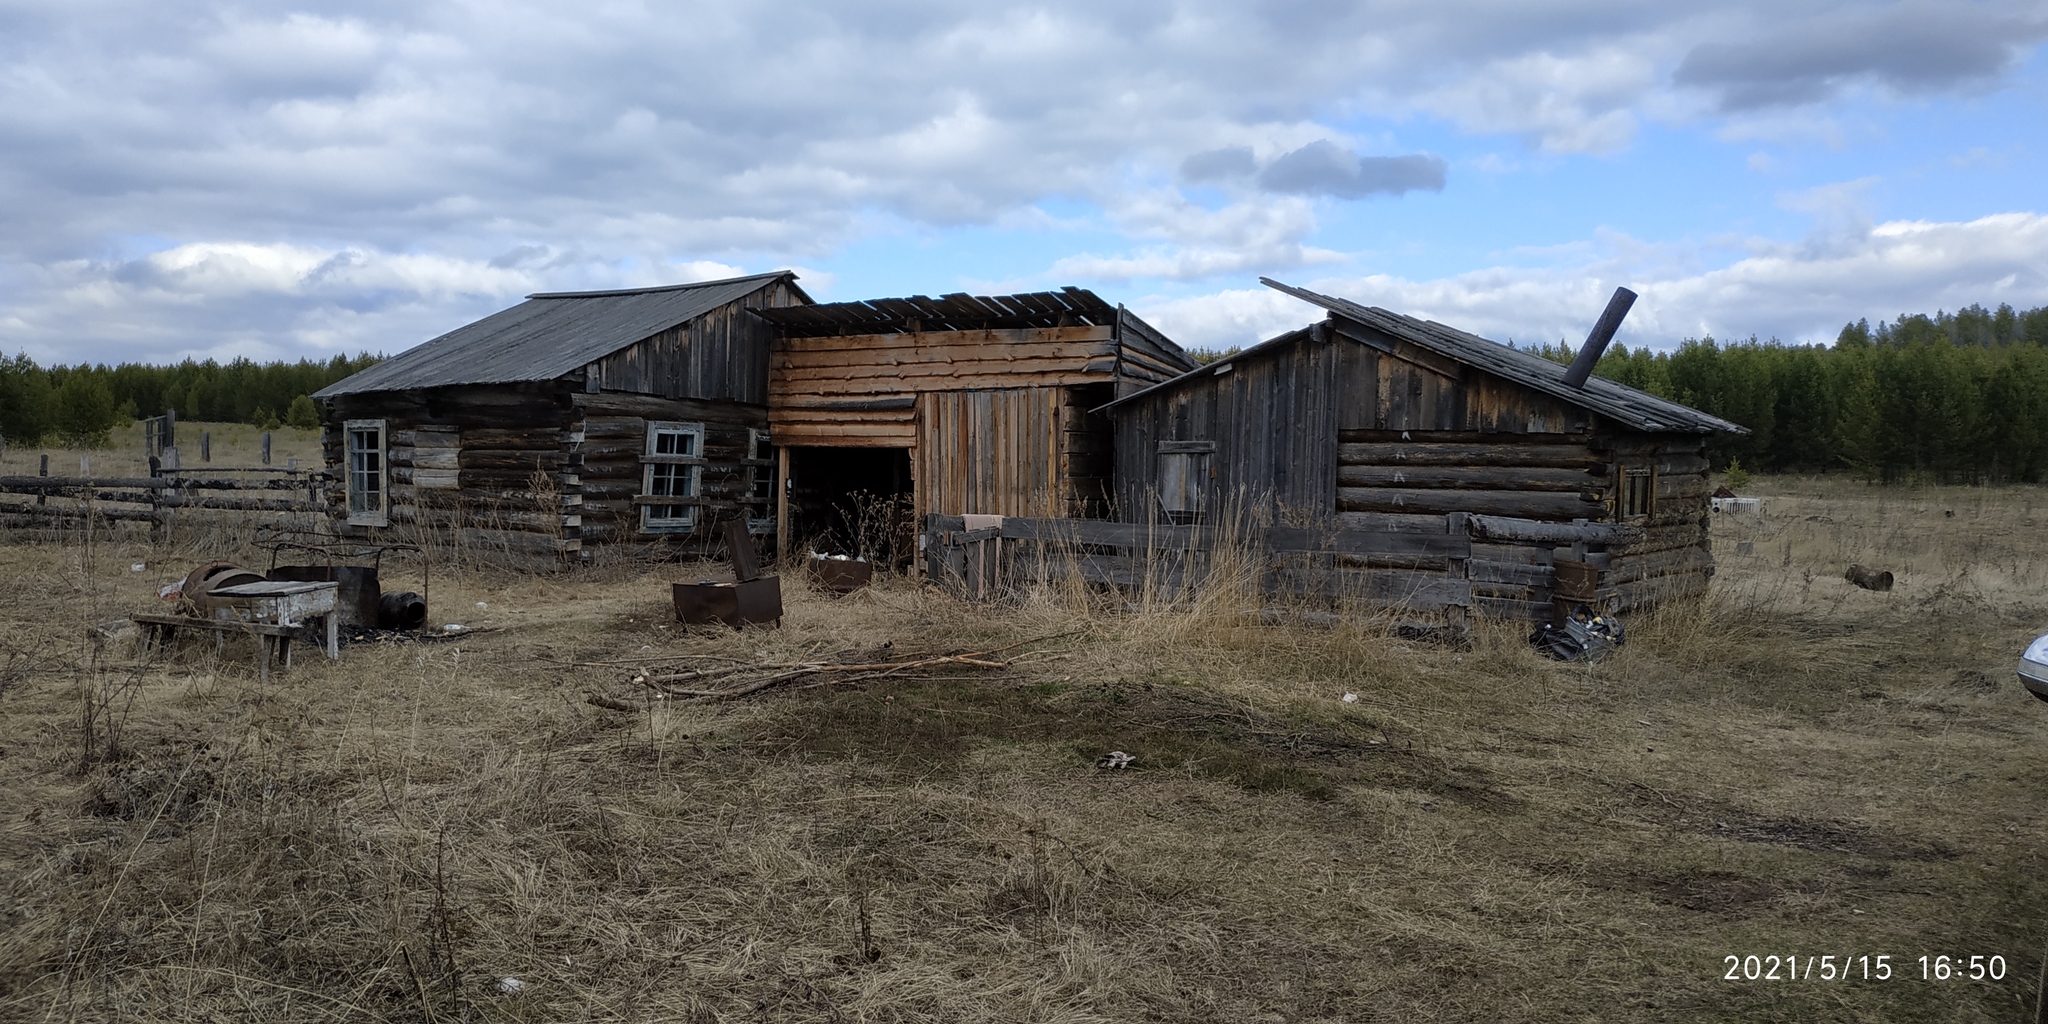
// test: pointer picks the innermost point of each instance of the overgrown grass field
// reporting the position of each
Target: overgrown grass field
(1793, 767)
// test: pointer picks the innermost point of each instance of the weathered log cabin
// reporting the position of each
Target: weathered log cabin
(1371, 420)
(962, 404)
(573, 420)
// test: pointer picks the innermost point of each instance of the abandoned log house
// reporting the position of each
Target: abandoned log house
(569, 421)
(959, 404)
(1370, 420)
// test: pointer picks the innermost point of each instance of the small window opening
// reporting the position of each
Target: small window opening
(1638, 492)
(1183, 481)
(675, 469)
(366, 489)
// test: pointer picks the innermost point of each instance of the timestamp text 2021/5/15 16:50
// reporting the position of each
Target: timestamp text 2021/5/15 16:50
(1869, 967)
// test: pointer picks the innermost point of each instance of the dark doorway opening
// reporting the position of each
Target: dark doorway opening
(853, 501)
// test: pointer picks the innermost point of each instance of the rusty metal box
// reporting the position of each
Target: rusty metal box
(842, 575)
(753, 602)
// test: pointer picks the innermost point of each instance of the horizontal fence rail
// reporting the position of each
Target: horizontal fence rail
(37, 500)
(1457, 562)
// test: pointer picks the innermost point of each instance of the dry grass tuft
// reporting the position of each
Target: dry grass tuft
(1792, 766)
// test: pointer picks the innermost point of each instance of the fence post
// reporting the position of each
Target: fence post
(170, 428)
(85, 466)
(206, 446)
(171, 496)
(266, 447)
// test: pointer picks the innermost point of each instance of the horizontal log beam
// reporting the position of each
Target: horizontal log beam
(52, 484)
(1500, 478)
(1432, 454)
(1514, 529)
(1519, 504)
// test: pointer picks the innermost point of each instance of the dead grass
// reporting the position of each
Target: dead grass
(1792, 767)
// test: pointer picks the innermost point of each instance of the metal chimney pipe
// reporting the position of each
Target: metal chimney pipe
(1596, 342)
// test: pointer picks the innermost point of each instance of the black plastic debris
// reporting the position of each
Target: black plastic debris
(1584, 636)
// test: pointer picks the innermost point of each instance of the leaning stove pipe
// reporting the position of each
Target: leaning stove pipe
(1596, 342)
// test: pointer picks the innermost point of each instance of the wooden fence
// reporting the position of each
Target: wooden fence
(157, 499)
(1490, 565)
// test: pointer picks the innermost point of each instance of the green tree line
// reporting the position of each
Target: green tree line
(1953, 398)
(80, 405)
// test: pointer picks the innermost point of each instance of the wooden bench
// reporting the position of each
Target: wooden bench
(273, 612)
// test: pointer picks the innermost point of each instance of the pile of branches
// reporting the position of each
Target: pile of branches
(735, 678)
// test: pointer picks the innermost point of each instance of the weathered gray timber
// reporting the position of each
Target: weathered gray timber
(1451, 563)
(632, 418)
(1369, 419)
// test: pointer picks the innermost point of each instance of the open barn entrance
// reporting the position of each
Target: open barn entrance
(853, 501)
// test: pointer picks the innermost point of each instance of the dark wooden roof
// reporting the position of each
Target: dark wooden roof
(1626, 405)
(1069, 307)
(548, 335)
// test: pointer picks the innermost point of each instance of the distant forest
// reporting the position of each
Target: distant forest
(1952, 398)
(80, 405)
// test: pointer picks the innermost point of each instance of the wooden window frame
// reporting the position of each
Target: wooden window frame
(1635, 492)
(760, 468)
(362, 511)
(1183, 477)
(683, 474)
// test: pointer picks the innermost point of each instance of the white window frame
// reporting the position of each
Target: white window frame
(759, 467)
(683, 474)
(362, 483)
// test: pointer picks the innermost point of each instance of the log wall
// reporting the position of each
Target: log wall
(539, 468)
(1366, 429)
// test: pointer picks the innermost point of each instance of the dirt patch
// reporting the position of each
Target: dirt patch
(1824, 837)
(1709, 892)
(930, 725)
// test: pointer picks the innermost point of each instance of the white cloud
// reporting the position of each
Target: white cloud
(443, 150)
(268, 301)
(1581, 104)
(1792, 291)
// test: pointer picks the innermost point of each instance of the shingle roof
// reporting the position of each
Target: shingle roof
(548, 335)
(1638, 409)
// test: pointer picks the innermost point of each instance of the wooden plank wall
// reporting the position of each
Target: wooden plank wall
(1393, 384)
(1315, 563)
(1273, 417)
(861, 390)
(991, 452)
(722, 355)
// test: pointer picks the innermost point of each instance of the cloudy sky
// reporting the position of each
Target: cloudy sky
(213, 179)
